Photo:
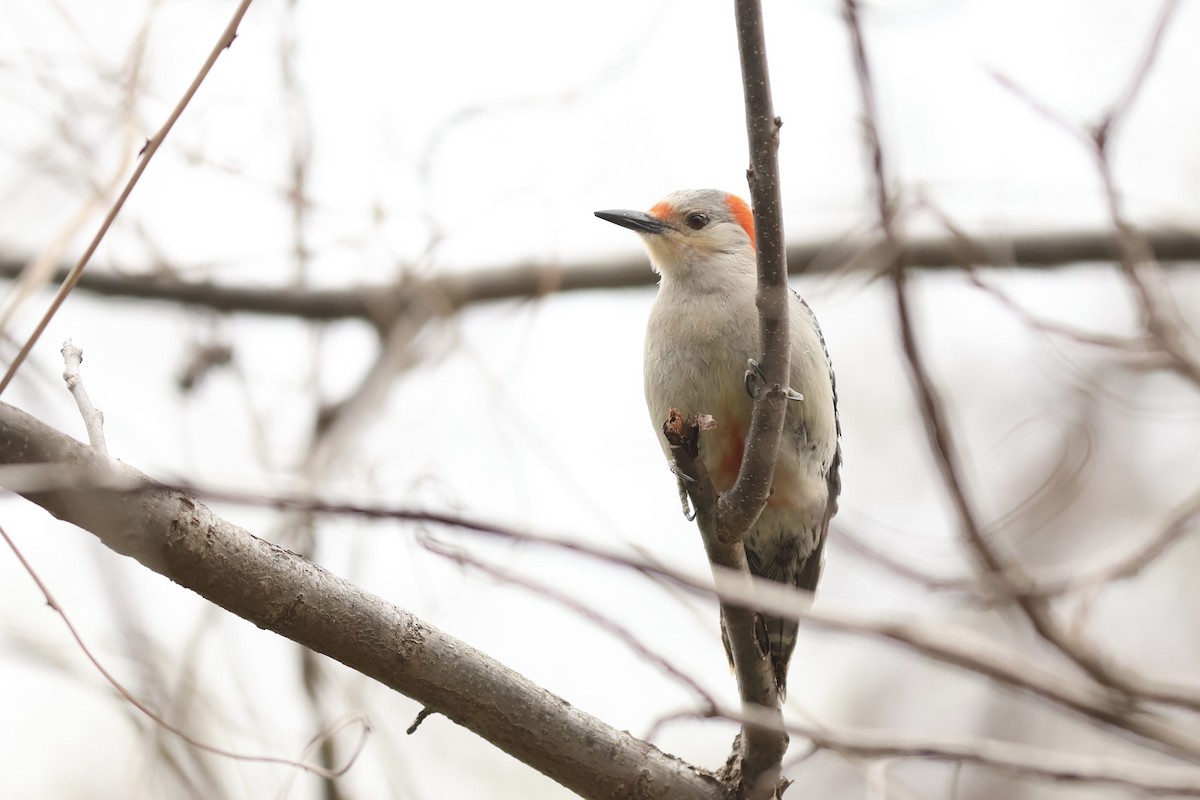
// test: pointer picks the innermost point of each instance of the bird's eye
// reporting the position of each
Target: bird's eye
(696, 220)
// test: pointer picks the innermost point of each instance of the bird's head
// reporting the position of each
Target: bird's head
(693, 230)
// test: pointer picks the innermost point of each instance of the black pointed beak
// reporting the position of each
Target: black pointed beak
(634, 220)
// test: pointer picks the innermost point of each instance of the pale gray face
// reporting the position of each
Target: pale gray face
(690, 226)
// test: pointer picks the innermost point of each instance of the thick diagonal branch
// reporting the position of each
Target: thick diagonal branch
(174, 535)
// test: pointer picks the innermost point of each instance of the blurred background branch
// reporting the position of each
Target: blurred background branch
(453, 290)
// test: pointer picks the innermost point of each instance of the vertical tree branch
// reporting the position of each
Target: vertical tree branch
(762, 746)
(741, 505)
(755, 767)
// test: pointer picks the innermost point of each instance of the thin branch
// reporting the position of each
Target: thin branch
(1119, 109)
(1135, 252)
(1181, 521)
(971, 260)
(582, 610)
(1016, 759)
(191, 741)
(1161, 316)
(151, 147)
(1022, 760)
(93, 420)
(856, 543)
(994, 566)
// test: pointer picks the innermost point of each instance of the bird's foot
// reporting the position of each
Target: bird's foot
(681, 481)
(755, 375)
(681, 475)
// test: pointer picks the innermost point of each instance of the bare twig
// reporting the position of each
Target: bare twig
(39, 271)
(1135, 252)
(1182, 521)
(1120, 108)
(1161, 316)
(1044, 111)
(856, 543)
(1112, 568)
(972, 259)
(93, 420)
(300, 142)
(148, 151)
(930, 404)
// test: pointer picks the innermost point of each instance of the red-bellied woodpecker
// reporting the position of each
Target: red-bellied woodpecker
(702, 334)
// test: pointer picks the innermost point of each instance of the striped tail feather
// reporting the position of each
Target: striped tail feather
(781, 633)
